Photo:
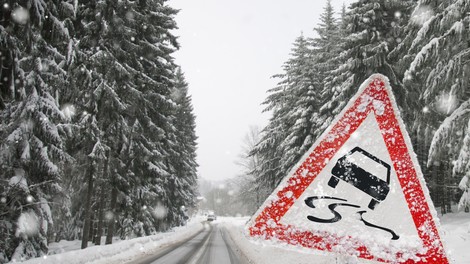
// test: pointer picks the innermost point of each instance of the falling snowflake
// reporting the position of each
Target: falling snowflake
(129, 15)
(28, 225)
(109, 216)
(160, 211)
(68, 110)
(20, 15)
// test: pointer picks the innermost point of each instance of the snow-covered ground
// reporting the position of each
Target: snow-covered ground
(119, 252)
(455, 231)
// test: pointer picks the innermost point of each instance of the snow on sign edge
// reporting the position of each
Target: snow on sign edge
(265, 223)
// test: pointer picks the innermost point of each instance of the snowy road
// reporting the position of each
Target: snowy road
(212, 245)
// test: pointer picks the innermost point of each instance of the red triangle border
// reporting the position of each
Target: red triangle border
(267, 222)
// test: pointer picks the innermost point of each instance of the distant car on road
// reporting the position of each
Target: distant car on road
(350, 172)
(211, 217)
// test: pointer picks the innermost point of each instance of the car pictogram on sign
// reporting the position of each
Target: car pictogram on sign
(349, 171)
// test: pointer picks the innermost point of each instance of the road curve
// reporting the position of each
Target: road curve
(211, 246)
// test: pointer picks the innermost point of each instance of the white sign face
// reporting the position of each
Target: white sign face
(358, 191)
(394, 226)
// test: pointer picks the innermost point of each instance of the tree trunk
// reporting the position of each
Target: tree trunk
(86, 227)
(99, 231)
(111, 221)
(91, 234)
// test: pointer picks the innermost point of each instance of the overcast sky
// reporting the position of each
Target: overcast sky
(229, 51)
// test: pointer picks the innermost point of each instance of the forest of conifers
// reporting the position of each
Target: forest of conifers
(97, 129)
(423, 47)
(97, 132)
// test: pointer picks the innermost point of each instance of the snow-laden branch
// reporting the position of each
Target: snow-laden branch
(444, 131)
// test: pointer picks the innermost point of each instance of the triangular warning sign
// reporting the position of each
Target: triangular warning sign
(358, 190)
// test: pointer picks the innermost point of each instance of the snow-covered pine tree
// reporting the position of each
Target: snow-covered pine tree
(97, 96)
(184, 163)
(33, 46)
(300, 103)
(267, 150)
(249, 192)
(130, 80)
(464, 185)
(374, 28)
(296, 101)
(154, 42)
(279, 101)
(326, 47)
(438, 72)
(326, 44)
(462, 163)
(311, 63)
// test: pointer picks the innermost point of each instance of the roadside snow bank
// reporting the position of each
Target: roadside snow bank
(455, 231)
(273, 252)
(122, 251)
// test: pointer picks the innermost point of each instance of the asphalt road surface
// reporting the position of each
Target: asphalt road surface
(212, 246)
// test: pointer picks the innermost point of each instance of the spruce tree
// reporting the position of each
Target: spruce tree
(98, 81)
(300, 103)
(155, 79)
(34, 48)
(130, 81)
(296, 102)
(249, 192)
(185, 162)
(438, 72)
(374, 28)
(327, 45)
(77, 96)
(282, 98)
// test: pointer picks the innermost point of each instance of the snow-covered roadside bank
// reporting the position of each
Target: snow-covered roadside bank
(456, 235)
(121, 251)
(271, 252)
(455, 231)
